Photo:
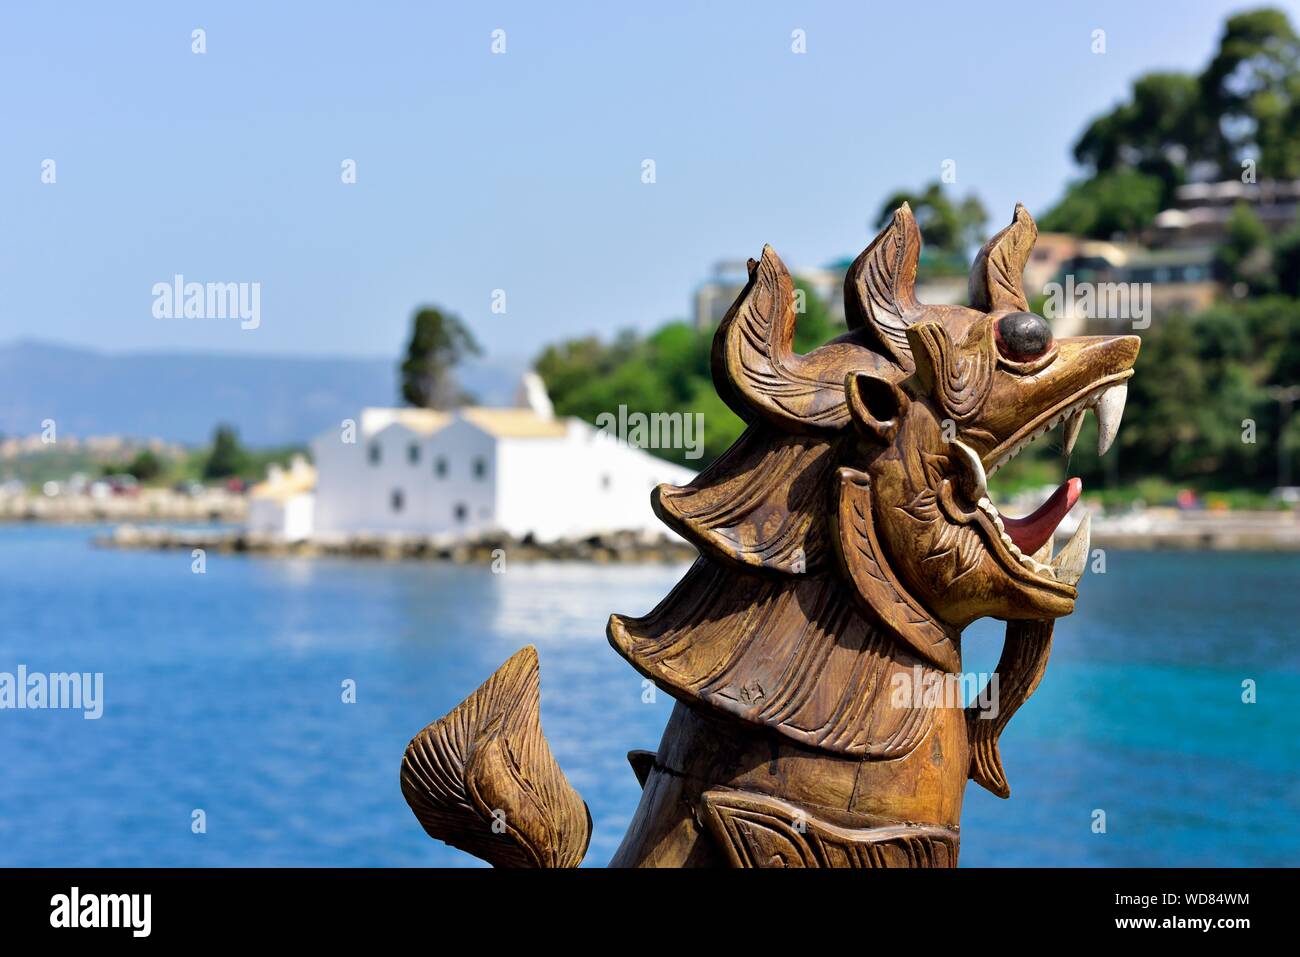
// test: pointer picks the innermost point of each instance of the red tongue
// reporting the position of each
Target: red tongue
(1029, 533)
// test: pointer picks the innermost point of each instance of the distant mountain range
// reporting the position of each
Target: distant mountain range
(180, 397)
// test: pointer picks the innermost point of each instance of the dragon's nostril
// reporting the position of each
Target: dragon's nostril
(1023, 335)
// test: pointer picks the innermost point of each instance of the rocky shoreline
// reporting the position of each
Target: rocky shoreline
(151, 505)
(1154, 530)
(1171, 530)
(607, 548)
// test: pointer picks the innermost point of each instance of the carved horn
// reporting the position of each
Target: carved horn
(880, 287)
(995, 284)
(757, 371)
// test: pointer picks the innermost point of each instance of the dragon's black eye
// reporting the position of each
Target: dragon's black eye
(1023, 335)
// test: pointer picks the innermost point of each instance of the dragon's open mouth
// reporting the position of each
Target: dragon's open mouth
(1027, 541)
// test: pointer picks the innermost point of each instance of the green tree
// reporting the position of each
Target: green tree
(1244, 106)
(1245, 256)
(1251, 90)
(721, 425)
(952, 228)
(1116, 203)
(145, 466)
(667, 371)
(974, 219)
(439, 342)
(1157, 131)
(227, 457)
(1198, 379)
(1286, 261)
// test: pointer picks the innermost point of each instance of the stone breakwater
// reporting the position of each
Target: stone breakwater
(607, 548)
(151, 505)
(1156, 529)
(1168, 529)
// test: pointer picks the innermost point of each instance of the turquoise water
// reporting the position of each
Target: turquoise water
(223, 693)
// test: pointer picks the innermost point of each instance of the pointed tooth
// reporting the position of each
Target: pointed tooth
(1109, 410)
(1044, 555)
(977, 468)
(1038, 568)
(1069, 564)
(1072, 426)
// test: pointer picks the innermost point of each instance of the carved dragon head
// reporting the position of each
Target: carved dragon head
(970, 388)
(885, 438)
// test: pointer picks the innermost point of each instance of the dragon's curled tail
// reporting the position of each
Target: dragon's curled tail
(483, 779)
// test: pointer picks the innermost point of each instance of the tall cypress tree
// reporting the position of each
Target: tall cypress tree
(438, 343)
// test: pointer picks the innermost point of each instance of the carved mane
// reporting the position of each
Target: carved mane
(792, 654)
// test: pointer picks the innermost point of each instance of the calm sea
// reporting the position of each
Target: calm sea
(223, 693)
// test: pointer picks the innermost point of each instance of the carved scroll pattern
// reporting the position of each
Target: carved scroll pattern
(756, 830)
(963, 376)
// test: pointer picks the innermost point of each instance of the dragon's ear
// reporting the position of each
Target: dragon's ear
(880, 287)
(995, 279)
(877, 405)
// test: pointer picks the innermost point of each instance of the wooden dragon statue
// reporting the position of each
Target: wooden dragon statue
(845, 541)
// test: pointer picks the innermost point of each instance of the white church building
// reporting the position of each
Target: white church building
(417, 472)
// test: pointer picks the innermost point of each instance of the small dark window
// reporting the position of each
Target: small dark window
(397, 500)
(374, 453)
(461, 512)
(440, 467)
(413, 453)
(480, 468)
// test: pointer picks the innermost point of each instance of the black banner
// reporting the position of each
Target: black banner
(334, 906)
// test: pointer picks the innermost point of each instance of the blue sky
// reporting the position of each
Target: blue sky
(519, 171)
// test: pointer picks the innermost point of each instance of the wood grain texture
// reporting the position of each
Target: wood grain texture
(759, 831)
(996, 277)
(759, 506)
(483, 779)
(704, 751)
(793, 656)
(877, 590)
(959, 377)
(756, 370)
(642, 762)
(879, 294)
